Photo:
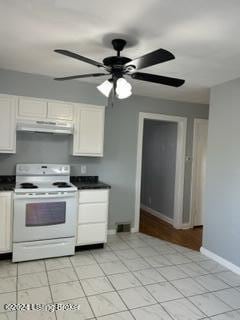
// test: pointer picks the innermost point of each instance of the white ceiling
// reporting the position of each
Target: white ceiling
(203, 35)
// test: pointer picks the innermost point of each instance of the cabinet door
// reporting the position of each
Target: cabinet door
(92, 212)
(6, 222)
(60, 110)
(91, 233)
(89, 132)
(7, 124)
(32, 108)
(93, 196)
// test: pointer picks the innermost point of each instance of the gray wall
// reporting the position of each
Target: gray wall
(118, 167)
(158, 166)
(222, 197)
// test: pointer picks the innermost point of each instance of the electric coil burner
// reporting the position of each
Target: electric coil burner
(28, 185)
(62, 184)
(45, 212)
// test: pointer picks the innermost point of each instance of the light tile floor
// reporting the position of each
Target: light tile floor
(134, 277)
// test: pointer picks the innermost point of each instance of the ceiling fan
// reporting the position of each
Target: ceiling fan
(118, 67)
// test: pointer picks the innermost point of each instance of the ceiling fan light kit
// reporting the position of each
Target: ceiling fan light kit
(105, 88)
(119, 66)
(123, 89)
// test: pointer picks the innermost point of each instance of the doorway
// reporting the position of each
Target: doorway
(158, 168)
(181, 128)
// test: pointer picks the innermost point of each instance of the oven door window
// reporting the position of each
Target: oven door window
(45, 213)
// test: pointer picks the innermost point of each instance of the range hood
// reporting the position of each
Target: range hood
(45, 126)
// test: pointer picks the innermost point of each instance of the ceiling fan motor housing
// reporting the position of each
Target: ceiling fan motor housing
(116, 63)
(118, 44)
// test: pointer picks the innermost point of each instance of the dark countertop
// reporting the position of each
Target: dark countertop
(88, 182)
(7, 183)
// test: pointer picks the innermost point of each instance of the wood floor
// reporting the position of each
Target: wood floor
(151, 225)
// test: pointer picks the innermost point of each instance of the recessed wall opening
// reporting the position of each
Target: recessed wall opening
(160, 175)
(159, 168)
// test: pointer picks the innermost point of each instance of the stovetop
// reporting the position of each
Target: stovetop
(40, 187)
(43, 178)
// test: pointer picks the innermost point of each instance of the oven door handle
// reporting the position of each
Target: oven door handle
(45, 195)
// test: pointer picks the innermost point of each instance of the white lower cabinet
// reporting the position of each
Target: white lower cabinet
(91, 233)
(5, 222)
(92, 217)
(92, 212)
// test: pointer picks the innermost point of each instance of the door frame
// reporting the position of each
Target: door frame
(195, 140)
(180, 165)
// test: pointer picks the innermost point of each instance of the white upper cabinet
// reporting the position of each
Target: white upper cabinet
(87, 120)
(6, 222)
(7, 124)
(42, 109)
(60, 110)
(88, 136)
(32, 108)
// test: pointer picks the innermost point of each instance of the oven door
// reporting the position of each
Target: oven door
(44, 216)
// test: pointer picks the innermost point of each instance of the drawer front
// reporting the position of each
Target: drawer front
(92, 196)
(92, 212)
(92, 233)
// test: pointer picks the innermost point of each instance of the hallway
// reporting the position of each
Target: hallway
(151, 225)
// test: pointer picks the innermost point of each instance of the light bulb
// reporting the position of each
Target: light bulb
(123, 89)
(125, 95)
(105, 88)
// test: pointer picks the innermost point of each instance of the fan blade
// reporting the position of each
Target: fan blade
(82, 76)
(173, 82)
(78, 57)
(151, 59)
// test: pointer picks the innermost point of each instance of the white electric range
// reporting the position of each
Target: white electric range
(45, 212)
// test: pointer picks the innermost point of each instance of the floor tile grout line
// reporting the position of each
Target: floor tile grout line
(188, 298)
(183, 295)
(223, 300)
(17, 291)
(86, 297)
(208, 292)
(117, 292)
(141, 285)
(49, 286)
(147, 268)
(167, 311)
(131, 272)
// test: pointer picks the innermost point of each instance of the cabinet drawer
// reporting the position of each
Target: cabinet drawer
(92, 233)
(93, 196)
(32, 108)
(92, 212)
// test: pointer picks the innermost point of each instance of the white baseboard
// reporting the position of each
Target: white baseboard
(157, 214)
(186, 225)
(229, 265)
(134, 230)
